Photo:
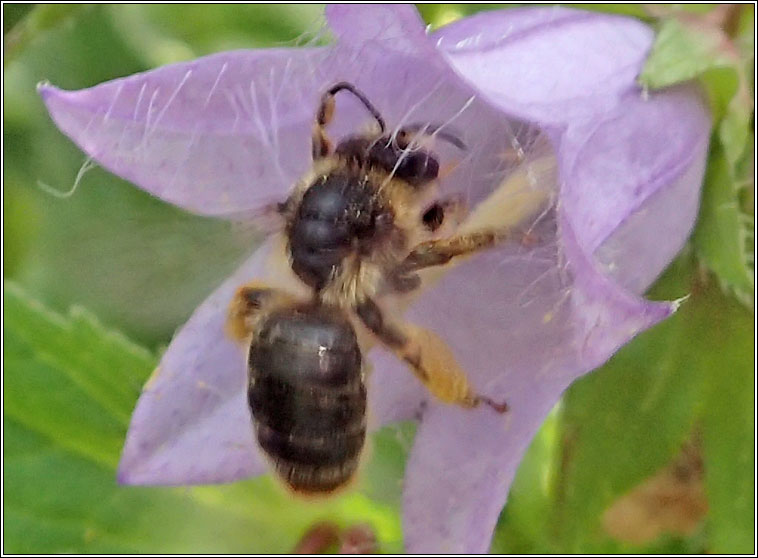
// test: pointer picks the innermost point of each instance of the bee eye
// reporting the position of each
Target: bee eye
(418, 168)
(415, 167)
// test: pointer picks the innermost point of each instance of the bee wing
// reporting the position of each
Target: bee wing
(264, 221)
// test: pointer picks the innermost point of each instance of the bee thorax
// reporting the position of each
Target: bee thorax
(337, 215)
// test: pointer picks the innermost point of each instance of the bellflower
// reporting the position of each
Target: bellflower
(542, 97)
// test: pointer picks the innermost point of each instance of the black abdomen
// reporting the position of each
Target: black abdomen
(337, 213)
(307, 396)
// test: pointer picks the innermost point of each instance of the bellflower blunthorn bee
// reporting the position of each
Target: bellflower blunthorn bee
(557, 133)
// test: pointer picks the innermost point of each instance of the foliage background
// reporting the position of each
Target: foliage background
(674, 409)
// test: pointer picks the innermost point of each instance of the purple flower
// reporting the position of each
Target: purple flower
(225, 134)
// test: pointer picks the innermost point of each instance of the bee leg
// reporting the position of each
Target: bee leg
(246, 305)
(321, 145)
(428, 356)
(403, 278)
(440, 217)
(440, 252)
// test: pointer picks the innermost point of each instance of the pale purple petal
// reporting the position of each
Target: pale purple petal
(549, 64)
(398, 26)
(192, 424)
(220, 135)
(525, 323)
(614, 164)
(658, 175)
(536, 322)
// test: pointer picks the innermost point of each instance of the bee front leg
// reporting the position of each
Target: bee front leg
(320, 142)
(321, 145)
(428, 356)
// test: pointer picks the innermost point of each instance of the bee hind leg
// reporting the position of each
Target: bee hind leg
(248, 303)
(428, 357)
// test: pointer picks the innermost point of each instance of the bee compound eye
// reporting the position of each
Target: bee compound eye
(418, 168)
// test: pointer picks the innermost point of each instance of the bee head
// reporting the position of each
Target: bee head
(417, 167)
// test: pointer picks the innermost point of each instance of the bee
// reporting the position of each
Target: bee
(359, 226)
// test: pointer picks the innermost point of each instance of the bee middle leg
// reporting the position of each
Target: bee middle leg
(403, 277)
(439, 219)
(428, 356)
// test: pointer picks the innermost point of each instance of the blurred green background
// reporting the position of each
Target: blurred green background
(96, 283)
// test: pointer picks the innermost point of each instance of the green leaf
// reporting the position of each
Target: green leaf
(722, 237)
(166, 33)
(382, 478)
(688, 47)
(524, 521)
(728, 425)
(40, 19)
(13, 13)
(681, 52)
(69, 386)
(438, 15)
(623, 422)
(69, 368)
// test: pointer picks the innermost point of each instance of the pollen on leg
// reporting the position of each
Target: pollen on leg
(435, 365)
(246, 302)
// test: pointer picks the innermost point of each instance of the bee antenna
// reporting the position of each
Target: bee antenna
(345, 86)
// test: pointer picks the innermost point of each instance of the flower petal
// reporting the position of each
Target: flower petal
(538, 320)
(218, 136)
(461, 467)
(613, 165)
(550, 64)
(541, 317)
(644, 165)
(192, 424)
(585, 315)
(398, 26)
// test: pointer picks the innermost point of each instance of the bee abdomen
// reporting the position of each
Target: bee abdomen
(307, 397)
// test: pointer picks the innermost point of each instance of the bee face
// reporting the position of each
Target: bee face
(393, 156)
